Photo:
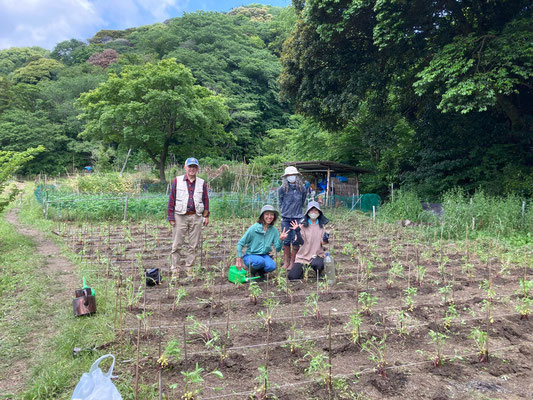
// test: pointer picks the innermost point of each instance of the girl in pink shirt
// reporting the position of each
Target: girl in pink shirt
(311, 236)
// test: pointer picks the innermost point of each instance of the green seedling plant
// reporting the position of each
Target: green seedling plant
(255, 291)
(260, 391)
(296, 342)
(192, 380)
(323, 286)
(172, 352)
(144, 318)
(133, 296)
(218, 346)
(420, 273)
(490, 293)
(450, 315)
(319, 366)
(525, 287)
(354, 326)
(376, 349)
(180, 294)
(480, 338)
(311, 305)
(410, 294)
(467, 268)
(395, 270)
(199, 329)
(438, 339)
(348, 250)
(523, 307)
(366, 302)
(281, 283)
(267, 315)
(401, 323)
(445, 292)
(443, 262)
(369, 269)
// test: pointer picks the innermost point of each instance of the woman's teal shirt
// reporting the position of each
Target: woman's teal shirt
(257, 241)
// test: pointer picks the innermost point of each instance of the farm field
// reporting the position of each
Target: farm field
(412, 316)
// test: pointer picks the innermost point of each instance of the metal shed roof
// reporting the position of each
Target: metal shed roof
(324, 166)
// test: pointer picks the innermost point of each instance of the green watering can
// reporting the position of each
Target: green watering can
(236, 275)
(87, 287)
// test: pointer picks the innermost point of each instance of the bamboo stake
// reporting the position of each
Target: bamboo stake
(185, 341)
(137, 362)
(329, 354)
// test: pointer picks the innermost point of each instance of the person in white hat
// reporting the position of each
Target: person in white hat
(291, 196)
(188, 209)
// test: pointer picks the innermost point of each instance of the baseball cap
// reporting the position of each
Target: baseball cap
(191, 161)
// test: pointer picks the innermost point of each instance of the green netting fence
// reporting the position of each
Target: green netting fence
(63, 204)
(363, 202)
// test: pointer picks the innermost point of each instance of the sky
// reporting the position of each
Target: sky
(45, 23)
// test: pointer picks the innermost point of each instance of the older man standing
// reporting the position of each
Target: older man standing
(188, 206)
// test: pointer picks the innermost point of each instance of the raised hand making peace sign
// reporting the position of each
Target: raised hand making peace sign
(283, 235)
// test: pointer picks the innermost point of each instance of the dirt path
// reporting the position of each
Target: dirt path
(65, 282)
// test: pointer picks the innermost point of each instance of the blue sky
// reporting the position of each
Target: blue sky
(47, 22)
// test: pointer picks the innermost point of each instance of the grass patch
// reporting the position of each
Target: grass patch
(41, 333)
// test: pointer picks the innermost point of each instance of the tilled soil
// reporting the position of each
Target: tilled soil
(456, 279)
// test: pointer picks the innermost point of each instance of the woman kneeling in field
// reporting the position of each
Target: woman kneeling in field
(258, 241)
(311, 236)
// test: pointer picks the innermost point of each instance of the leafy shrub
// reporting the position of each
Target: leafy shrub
(110, 182)
(479, 212)
(405, 205)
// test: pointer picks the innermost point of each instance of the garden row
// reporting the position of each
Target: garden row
(403, 305)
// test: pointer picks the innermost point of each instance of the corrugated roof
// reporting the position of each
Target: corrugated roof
(324, 165)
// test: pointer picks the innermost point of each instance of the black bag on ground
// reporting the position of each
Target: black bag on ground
(152, 277)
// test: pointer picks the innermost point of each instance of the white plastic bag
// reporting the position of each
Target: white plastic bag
(96, 385)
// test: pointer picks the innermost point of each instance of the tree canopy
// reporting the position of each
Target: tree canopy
(434, 70)
(154, 108)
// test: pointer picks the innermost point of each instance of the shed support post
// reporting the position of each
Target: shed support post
(327, 186)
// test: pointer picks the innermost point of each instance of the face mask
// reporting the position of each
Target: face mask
(314, 215)
(291, 178)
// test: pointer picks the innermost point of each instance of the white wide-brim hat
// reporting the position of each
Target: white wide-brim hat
(291, 171)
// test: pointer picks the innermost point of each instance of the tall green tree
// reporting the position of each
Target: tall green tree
(39, 70)
(22, 129)
(156, 108)
(226, 54)
(396, 73)
(17, 57)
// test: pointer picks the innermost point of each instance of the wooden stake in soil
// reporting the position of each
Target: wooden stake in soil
(267, 359)
(137, 362)
(329, 354)
(185, 341)
(228, 311)
(159, 374)
(292, 310)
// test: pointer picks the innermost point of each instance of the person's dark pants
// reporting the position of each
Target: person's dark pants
(297, 270)
(291, 237)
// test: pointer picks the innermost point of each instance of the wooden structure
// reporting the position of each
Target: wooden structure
(324, 168)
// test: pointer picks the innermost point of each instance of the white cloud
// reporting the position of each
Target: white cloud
(47, 22)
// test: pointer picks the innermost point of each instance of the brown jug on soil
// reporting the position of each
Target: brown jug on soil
(84, 305)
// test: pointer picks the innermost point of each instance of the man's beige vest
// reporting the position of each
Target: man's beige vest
(182, 196)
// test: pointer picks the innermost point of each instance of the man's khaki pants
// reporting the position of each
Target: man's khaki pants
(186, 226)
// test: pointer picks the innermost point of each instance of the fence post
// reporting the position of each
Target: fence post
(126, 208)
(374, 213)
(523, 208)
